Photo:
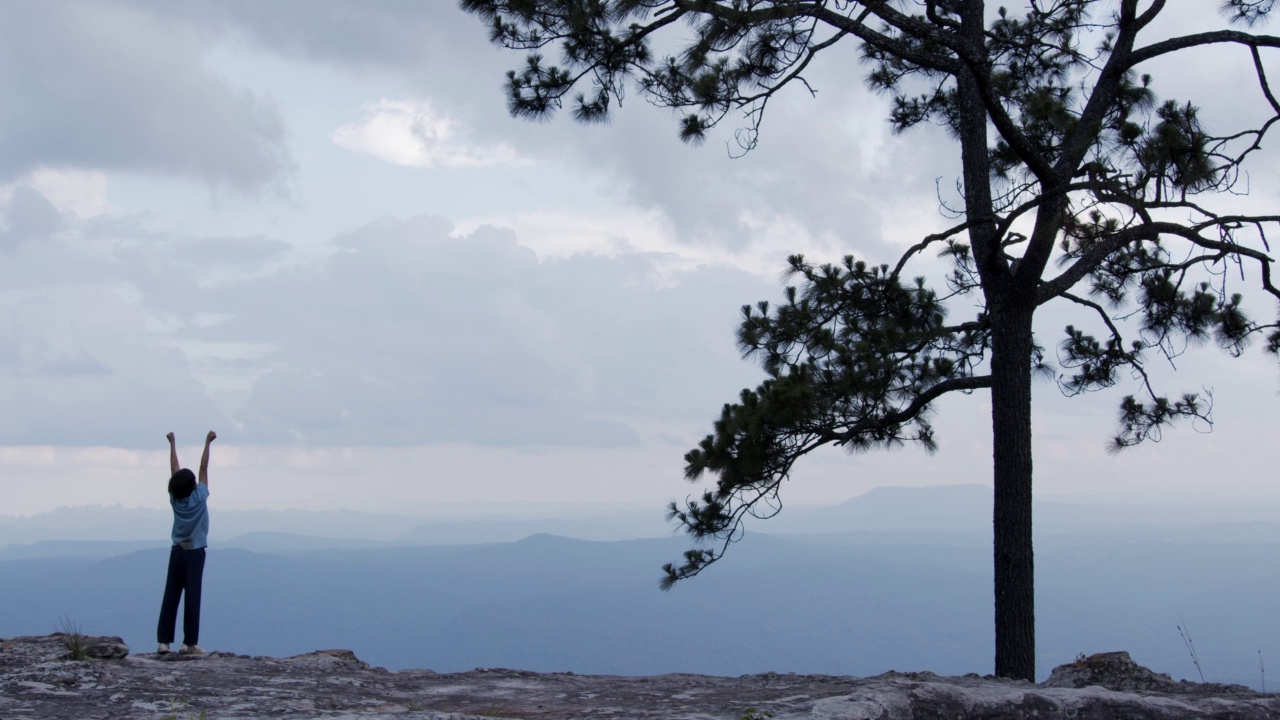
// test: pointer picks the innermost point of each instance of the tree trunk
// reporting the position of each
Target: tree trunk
(1011, 304)
(1011, 344)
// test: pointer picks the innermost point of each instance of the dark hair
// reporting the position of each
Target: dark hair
(182, 484)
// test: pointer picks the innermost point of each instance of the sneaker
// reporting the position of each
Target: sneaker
(191, 650)
(163, 649)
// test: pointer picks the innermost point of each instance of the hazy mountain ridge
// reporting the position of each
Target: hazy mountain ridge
(950, 511)
(854, 602)
(551, 604)
(118, 523)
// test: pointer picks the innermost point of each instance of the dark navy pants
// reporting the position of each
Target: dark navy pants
(186, 571)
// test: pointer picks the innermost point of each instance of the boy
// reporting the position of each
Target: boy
(190, 534)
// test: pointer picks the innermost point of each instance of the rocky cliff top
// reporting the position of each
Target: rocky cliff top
(38, 679)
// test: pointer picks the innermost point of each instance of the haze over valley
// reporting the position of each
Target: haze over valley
(899, 578)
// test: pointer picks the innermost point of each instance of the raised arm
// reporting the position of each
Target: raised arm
(204, 459)
(173, 455)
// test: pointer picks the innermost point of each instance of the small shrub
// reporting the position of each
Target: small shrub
(73, 639)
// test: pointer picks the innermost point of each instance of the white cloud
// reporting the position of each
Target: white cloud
(413, 133)
(414, 333)
(82, 193)
(404, 333)
(618, 231)
(85, 370)
(27, 215)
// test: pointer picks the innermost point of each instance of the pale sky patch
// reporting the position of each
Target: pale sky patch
(561, 234)
(629, 231)
(774, 230)
(79, 192)
(414, 133)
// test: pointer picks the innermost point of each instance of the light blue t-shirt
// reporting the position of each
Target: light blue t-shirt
(191, 519)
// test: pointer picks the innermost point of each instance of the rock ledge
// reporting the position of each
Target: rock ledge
(38, 681)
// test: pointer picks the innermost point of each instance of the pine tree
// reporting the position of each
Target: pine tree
(1079, 186)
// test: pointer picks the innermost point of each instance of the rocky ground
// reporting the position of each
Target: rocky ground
(38, 679)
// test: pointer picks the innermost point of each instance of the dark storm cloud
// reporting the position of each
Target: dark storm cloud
(100, 85)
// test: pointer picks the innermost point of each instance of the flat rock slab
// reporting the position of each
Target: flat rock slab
(176, 657)
(37, 681)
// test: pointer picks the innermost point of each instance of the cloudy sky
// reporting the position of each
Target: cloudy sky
(313, 227)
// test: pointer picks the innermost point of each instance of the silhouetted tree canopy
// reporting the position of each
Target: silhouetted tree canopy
(1080, 186)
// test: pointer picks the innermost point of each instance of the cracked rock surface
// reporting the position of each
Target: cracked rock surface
(37, 680)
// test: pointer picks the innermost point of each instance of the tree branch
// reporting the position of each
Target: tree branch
(1215, 37)
(922, 400)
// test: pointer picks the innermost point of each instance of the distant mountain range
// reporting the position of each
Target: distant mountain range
(944, 511)
(893, 593)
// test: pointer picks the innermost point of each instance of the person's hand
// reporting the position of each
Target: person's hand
(169, 437)
(210, 437)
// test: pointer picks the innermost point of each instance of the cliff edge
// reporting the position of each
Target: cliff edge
(38, 679)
